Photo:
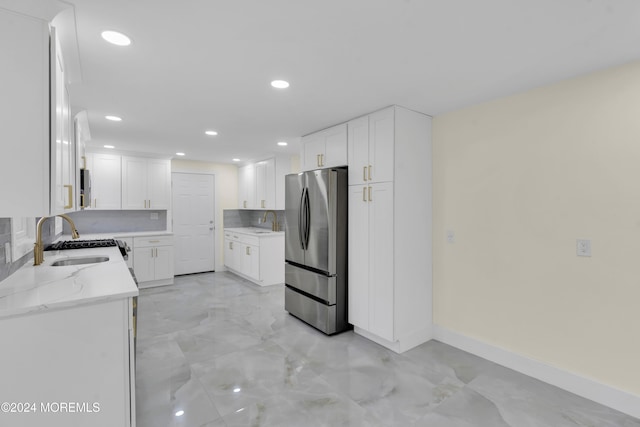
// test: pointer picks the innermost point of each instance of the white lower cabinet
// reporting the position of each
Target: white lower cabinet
(258, 259)
(81, 356)
(153, 260)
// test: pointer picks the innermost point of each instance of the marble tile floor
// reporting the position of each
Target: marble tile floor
(224, 351)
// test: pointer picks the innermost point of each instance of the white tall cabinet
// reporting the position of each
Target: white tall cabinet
(390, 274)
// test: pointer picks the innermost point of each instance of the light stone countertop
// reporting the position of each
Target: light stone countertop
(255, 231)
(33, 289)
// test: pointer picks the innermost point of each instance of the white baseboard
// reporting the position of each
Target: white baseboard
(403, 344)
(588, 388)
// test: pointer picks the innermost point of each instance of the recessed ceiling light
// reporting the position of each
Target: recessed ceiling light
(236, 160)
(113, 118)
(116, 38)
(211, 132)
(180, 413)
(282, 143)
(109, 146)
(237, 390)
(179, 154)
(280, 84)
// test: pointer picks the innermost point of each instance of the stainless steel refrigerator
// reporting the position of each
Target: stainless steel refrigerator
(316, 204)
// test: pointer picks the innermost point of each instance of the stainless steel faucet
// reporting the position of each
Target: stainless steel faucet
(274, 225)
(38, 249)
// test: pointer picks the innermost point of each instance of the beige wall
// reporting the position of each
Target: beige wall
(226, 197)
(519, 180)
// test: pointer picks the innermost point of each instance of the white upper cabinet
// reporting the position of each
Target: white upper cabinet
(247, 187)
(261, 184)
(106, 181)
(371, 147)
(266, 184)
(146, 183)
(324, 149)
(25, 110)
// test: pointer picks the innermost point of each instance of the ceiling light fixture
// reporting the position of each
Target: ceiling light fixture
(236, 160)
(113, 118)
(179, 154)
(180, 413)
(109, 146)
(282, 144)
(116, 38)
(211, 132)
(280, 84)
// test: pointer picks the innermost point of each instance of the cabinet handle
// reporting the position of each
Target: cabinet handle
(149, 203)
(70, 190)
(262, 203)
(248, 250)
(95, 203)
(154, 241)
(145, 204)
(369, 172)
(321, 159)
(370, 199)
(364, 173)
(318, 159)
(244, 204)
(364, 194)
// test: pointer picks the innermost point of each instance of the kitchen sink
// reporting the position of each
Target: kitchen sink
(80, 260)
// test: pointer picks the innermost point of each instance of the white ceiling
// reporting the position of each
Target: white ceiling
(207, 64)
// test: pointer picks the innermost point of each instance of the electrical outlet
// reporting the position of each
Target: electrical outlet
(451, 236)
(583, 247)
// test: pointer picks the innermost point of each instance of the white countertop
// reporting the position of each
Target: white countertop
(93, 236)
(255, 231)
(33, 289)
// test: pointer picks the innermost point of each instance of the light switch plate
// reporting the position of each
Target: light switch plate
(583, 247)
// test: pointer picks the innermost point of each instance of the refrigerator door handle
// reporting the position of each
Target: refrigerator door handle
(301, 217)
(307, 222)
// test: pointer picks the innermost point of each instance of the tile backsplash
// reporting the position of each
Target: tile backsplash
(234, 218)
(99, 221)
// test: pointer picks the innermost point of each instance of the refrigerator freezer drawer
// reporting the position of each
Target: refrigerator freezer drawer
(318, 285)
(318, 315)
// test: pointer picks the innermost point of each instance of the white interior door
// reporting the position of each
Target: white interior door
(193, 222)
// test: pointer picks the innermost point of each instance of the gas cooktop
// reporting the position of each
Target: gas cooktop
(84, 244)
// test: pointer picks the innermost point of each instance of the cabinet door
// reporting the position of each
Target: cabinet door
(358, 300)
(335, 146)
(381, 317)
(312, 151)
(134, 183)
(25, 71)
(228, 254)
(266, 184)
(106, 181)
(158, 184)
(164, 264)
(57, 130)
(358, 150)
(144, 263)
(246, 187)
(251, 261)
(381, 144)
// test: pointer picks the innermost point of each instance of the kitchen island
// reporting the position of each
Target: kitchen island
(68, 352)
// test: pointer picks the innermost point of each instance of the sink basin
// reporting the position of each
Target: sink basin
(80, 260)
